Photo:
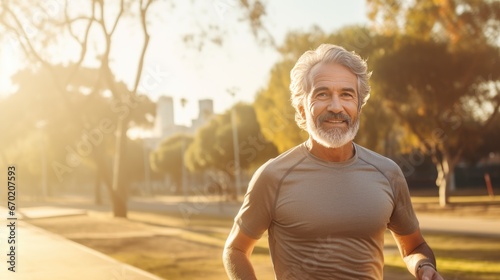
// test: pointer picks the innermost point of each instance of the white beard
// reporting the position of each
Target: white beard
(333, 137)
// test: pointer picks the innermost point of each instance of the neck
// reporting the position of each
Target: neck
(339, 154)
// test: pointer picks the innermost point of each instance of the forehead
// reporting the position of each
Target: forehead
(332, 75)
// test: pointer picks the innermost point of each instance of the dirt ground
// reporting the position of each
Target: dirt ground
(168, 247)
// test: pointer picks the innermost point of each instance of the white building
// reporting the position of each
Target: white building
(165, 126)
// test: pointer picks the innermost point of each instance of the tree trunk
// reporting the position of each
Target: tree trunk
(445, 180)
(103, 171)
(119, 188)
(441, 182)
(97, 188)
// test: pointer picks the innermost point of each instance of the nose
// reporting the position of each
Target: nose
(335, 104)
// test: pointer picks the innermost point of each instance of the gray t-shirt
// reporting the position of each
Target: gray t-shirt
(326, 220)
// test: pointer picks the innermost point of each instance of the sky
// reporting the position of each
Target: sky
(173, 69)
(241, 64)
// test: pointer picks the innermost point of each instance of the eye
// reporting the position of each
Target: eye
(347, 95)
(321, 95)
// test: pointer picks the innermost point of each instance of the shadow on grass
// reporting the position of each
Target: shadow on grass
(475, 203)
(466, 257)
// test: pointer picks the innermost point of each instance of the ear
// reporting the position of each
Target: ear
(302, 111)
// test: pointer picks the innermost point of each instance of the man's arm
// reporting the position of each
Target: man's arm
(236, 256)
(417, 255)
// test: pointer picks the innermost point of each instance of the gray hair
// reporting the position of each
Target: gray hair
(301, 82)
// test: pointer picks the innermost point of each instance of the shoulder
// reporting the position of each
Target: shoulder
(384, 164)
(280, 165)
(265, 182)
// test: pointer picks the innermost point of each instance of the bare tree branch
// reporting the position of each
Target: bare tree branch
(120, 13)
(144, 10)
(83, 43)
(21, 34)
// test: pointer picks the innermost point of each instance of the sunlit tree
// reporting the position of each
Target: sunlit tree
(437, 68)
(462, 23)
(213, 145)
(168, 158)
(87, 31)
(66, 136)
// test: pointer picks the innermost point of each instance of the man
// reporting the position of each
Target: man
(327, 202)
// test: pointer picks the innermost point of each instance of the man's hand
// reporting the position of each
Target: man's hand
(428, 273)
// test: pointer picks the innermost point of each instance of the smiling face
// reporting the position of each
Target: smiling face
(331, 107)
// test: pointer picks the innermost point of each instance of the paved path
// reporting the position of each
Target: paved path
(41, 255)
(462, 225)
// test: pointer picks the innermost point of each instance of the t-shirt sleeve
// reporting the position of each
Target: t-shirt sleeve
(255, 214)
(403, 220)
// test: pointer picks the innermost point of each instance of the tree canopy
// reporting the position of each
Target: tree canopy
(448, 99)
(461, 23)
(89, 33)
(212, 146)
(168, 158)
(436, 64)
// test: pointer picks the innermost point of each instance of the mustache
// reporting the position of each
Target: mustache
(334, 116)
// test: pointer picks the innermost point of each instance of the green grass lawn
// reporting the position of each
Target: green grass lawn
(458, 256)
